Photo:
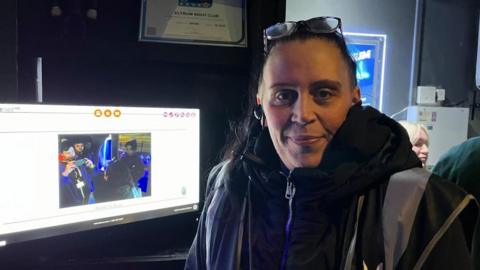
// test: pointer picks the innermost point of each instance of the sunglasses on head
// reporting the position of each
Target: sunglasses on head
(318, 25)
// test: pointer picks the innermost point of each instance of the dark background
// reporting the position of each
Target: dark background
(449, 44)
(429, 42)
(108, 66)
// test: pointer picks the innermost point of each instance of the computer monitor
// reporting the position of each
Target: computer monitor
(66, 169)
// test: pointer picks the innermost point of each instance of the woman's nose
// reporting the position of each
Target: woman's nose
(303, 110)
(424, 149)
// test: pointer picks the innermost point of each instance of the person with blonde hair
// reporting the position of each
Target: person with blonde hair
(419, 139)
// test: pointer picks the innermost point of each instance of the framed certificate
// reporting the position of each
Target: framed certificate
(206, 22)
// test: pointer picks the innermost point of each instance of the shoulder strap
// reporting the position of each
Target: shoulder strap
(224, 220)
(353, 242)
(404, 192)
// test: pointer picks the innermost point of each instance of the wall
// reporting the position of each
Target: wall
(437, 49)
(396, 19)
(449, 46)
(448, 54)
(108, 66)
(8, 51)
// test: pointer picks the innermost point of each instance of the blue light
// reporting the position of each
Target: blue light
(105, 153)
(368, 51)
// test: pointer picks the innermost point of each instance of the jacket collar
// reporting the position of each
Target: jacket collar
(366, 149)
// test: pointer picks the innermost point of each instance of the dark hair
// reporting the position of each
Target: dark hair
(302, 35)
(65, 144)
(132, 143)
(249, 127)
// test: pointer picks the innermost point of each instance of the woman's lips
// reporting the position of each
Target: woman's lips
(423, 158)
(305, 139)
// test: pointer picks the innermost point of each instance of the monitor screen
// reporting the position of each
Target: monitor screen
(368, 51)
(73, 168)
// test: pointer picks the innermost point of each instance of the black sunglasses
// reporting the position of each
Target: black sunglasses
(318, 25)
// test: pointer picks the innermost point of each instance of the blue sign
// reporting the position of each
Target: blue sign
(364, 56)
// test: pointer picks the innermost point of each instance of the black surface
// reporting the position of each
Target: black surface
(148, 242)
(449, 44)
(8, 51)
(108, 66)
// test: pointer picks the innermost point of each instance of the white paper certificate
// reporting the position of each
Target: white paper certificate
(212, 22)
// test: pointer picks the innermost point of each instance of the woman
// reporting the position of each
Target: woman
(316, 181)
(418, 138)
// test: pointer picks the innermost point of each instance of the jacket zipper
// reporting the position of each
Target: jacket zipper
(289, 195)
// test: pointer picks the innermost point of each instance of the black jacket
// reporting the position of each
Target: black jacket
(368, 204)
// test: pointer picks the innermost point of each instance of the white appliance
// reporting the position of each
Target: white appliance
(447, 126)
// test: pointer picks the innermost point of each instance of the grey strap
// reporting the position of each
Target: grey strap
(428, 249)
(226, 246)
(240, 234)
(351, 248)
(404, 192)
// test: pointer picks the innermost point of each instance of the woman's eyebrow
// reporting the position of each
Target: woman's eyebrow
(282, 84)
(326, 84)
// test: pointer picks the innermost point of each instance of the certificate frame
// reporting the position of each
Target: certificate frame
(195, 22)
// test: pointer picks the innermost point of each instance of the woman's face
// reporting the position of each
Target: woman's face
(305, 94)
(79, 147)
(420, 147)
(69, 154)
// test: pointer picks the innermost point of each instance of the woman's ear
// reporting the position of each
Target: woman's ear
(356, 95)
(258, 112)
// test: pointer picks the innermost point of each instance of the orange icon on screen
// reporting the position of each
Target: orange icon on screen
(107, 113)
(117, 113)
(97, 112)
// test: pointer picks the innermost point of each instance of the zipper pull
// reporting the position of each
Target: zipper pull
(290, 191)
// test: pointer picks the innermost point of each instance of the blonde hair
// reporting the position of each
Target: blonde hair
(413, 130)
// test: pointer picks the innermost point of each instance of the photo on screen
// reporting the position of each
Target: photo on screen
(96, 168)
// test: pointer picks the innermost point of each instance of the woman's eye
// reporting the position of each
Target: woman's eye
(284, 97)
(420, 144)
(322, 94)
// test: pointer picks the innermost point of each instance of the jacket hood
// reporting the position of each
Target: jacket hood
(367, 149)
